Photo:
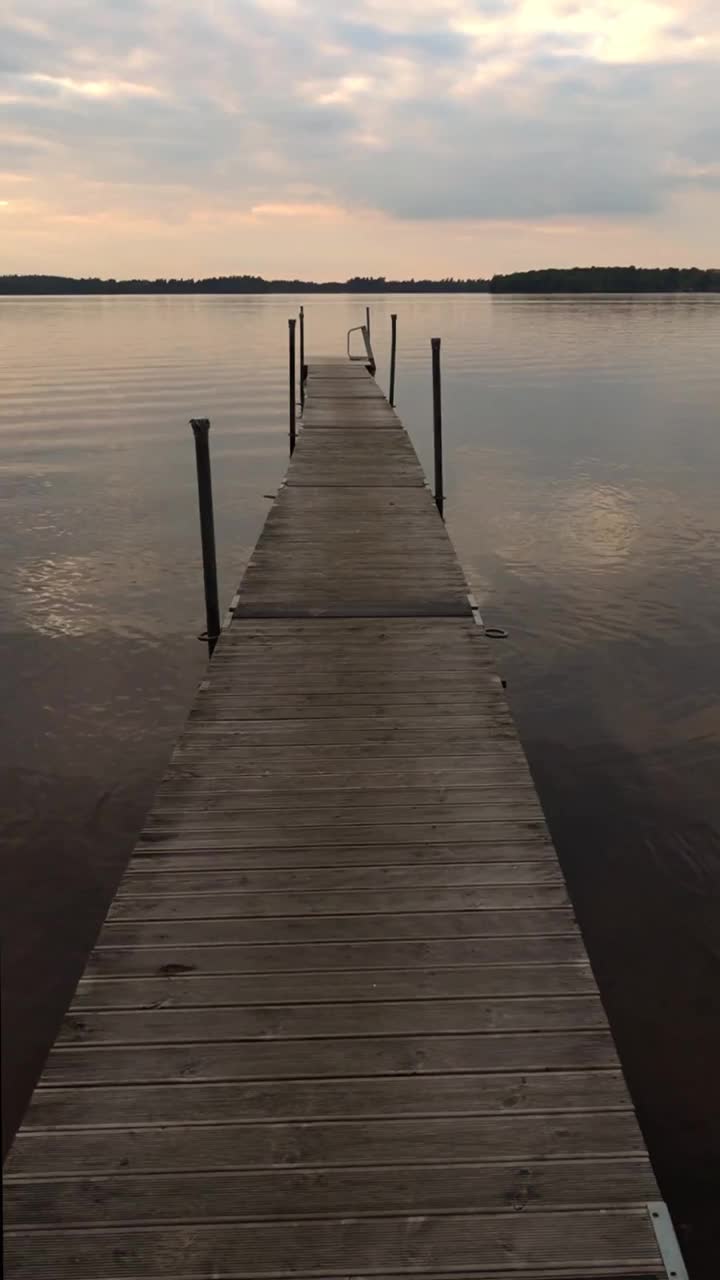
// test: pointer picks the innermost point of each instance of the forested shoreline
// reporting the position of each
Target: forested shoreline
(546, 280)
(609, 280)
(46, 284)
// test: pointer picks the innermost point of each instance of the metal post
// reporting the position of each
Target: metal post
(201, 431)
(367, 320)
(393, 354)
(437, 425)
(291, 339)
(302, 357)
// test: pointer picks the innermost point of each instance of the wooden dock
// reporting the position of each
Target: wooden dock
(340, 1021)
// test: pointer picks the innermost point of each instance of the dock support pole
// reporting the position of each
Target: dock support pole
(437, 426)
(367, 320)
(291, 341)
(201, 431)
(393, 356)
(302, 358)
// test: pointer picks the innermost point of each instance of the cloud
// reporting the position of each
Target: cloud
(95, 88)
(453, 110)
(300, 209)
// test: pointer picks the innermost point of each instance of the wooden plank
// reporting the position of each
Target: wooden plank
(386, 667)
(464, 731)
(172, 798)
(281, 930)
(376, 1097)
(201, 881)
(460, 664)
(347, 372)
(233, 836)
(442, 1245)
(152, 1199)
(333, 1058)
(356, 399)
(163, 959)
(331, 421)
(263, 829)
(486, 768)
(258, 775)
(349, 475)
(339, 389)
(220, 795)
(440, 1016)
(329, 805)
(349, 402)
(328, 1143)
(246, 904)
(194, 814)
(327, 706)
(368, 415)
(355, 372)
(149, 858)
(479, 730)
(351, 639)
(186, 992)
(308, 598)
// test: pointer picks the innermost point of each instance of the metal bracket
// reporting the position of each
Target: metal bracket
(477, 616)
(667, 1241)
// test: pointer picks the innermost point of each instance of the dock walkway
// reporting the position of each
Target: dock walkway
(340, 1021)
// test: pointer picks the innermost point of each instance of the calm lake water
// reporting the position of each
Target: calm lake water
(582, 471)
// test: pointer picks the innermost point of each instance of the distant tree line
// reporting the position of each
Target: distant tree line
(550, 280)
(609, 280)
(44, 284)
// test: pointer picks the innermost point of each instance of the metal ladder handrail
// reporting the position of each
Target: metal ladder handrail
(369, 357)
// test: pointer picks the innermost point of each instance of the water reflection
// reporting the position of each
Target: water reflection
(582, 456)
(601, 524)
(54, 595)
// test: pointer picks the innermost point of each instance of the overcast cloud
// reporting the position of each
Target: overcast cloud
(167, 136)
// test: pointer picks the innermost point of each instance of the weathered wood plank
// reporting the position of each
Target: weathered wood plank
(183, 992)
(337, 389)
(233, 836)
(251, 774)
(280, 930)
(247, 904)
(376, 1097)
(152, 1199)
(292, 823)
(351, 639)
(334, 1058)
(447, 731)
(163, 959)
(438, 1016)
(334, 800)
(151, 881)
(328, 1143)
(443, 1245)
(150, 858)
(324, 705)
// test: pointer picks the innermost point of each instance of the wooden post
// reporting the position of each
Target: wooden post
(201, 432)
(393, 354)
(437, 425)
(291, 345)
(302, 357)
(367, 320)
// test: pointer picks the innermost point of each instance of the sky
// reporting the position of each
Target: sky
(327, 138)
